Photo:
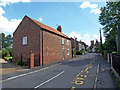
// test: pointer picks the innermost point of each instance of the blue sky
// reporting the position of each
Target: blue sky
(78, 19)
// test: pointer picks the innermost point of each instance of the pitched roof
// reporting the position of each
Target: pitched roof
(48, 28)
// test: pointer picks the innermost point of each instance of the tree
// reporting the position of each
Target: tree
(5, 41)
(110, 18)
(8, 38)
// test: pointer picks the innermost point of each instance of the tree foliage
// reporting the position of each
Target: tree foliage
(5, 41)
(110, 18)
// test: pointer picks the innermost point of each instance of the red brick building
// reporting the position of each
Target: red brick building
(47, 44)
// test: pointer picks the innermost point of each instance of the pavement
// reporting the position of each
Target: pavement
(80, 72)
(8, 67)
(105, 78)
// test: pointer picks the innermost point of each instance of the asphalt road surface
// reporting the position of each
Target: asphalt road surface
(79, 73)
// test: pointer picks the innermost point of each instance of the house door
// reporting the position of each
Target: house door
(63, 52)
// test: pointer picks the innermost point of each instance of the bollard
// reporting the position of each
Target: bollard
(31, 60)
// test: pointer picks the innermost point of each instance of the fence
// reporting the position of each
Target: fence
(114, 61)
(25, 62)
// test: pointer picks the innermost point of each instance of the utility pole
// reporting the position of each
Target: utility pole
(101, 43)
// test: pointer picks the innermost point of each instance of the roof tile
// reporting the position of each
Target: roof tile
(49, 28)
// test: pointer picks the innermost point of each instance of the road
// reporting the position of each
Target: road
(79, 73)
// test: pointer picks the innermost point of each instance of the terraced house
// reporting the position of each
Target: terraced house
(47, 44)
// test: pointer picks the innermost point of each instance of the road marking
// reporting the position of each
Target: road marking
(72, 88)
(49, 79)
(96, 78)
(27, 73)
(79, 80)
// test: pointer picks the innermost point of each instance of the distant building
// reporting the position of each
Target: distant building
(83, 45)
(93, 47)
(96, 45)
(75, 44)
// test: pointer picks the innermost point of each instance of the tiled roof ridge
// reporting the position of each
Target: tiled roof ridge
(48, 28)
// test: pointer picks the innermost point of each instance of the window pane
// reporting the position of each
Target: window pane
(67, 51)
(62, 40)
(67, 42)
(24, 41)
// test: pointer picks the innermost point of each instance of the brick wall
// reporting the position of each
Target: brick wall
(52, 48)
(29, 29)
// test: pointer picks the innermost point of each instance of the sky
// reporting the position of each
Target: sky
(79, 19)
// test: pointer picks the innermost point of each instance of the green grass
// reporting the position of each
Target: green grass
(9, 58)
(114, 52)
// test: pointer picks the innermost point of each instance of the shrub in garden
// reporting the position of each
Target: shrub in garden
(10, 50)
(18, 62)
(5, 53)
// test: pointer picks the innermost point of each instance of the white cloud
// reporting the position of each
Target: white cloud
(8, 2)
(86, 39)
(6, 25)
(96, 36)
(96, 11)
(74, 34)
(86, 36)
(88, 5)
(40, 19)
(2, 11)
(92, 6)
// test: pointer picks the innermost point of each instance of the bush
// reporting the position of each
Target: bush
(78, 52)
(10, 50)
(73, 52)
(106, 51)
(5, 53)
(83, 50)
(18, 62)
(0, 53)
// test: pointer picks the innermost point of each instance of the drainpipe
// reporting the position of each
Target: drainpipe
(39, 47)
(42, 47)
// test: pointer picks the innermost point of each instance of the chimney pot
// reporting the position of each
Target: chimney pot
(59, 28)
(75, 39)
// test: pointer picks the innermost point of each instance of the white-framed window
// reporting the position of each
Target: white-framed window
(67, 42)
(24, 42)
(68, 52)
(62, 40)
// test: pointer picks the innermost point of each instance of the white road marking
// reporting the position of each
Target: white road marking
(49, 79)
(96, 78)
(26, 73)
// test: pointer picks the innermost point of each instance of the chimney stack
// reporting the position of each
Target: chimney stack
(75, 39)
(59, 28)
